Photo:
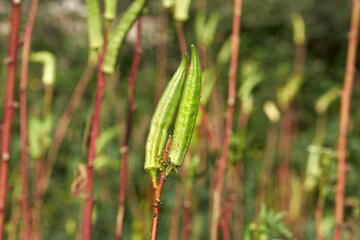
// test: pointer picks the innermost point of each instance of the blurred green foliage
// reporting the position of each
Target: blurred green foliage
(266, 38)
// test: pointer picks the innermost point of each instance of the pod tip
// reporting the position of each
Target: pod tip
(193, 49)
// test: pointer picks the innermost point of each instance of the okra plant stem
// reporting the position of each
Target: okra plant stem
(156, 206)
(344, 118)
(125, 146)
(235, 42)
(9, 109)
(91, 155)
(181, 36)
(23, 119)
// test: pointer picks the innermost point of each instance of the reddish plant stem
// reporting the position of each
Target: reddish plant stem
(125, 148)
(181, 36)
(235, 41)
(156, 206)
(161, 58)
(23, 119)
(91, 156)
(9, 108)
(344, 118)
(203, 55)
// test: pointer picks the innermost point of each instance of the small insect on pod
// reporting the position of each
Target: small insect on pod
(187, 113)
(161, 121)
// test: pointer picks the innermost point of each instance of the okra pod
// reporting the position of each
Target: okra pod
(188, 110)
(110, 9)
(181, 12)
(168, 3)
(162, 119)
(117, 35)
(94, 24)
(49, 61)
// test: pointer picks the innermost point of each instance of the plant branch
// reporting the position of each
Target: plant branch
(156, 206)
(91, 156)
(9, 108)
(344, 118)
(181, 36)
(125, 148)
(235, 41)
(23, 119)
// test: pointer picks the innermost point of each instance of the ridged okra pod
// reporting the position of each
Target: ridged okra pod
(188, 110)
(162, 119)
(117, 35)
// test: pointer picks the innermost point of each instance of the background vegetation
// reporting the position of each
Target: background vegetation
(266, 42)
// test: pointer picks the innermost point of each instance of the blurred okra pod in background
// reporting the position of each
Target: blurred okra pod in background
(181, 12)
(168, 3)
(116, 36)
(313, 168)
(110, 9)
(48, 60)
(94, 20)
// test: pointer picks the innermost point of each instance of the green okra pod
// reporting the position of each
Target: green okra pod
(162, 119)
(168, 3)
(94, 24)
(110, 9)
(181, 12)
(49, 61)
(187, 113)
(117, 35)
